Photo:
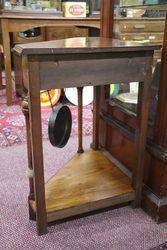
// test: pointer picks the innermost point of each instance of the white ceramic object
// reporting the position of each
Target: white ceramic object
(72, 96)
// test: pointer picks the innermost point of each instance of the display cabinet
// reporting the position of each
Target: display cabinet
(45, 5)
(118, 123)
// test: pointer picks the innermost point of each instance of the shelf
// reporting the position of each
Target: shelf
(131, 109)
(128, 108)
(148, 6)
(88, 182)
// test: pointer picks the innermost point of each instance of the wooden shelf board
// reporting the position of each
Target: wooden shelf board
(88, 182)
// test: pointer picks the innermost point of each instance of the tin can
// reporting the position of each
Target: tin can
(74, 8)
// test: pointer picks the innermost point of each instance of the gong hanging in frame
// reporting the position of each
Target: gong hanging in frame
(60, 123)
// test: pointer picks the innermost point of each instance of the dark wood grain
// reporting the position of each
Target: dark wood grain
(18, 75)
(87, 182)
(96, 117)
(156, 148)
(144, 100)
(89, 45)
(1, 69)
(132, 64)
(98, 72)
(17, 21)
(155, 206)
(31, 196)
(161, 119)
(123, 149)
(30, 14)
(114, 61)
(127, 131)
(107, 18)
(6, 46)
(37, 150)
(106, 31)
(136, 64)
(80, 119)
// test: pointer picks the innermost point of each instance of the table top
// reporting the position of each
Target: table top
(33, 14)
(83, 45)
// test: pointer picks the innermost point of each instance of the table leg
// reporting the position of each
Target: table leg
(37, 149)
(80, 119)
(7, 60)
(144, 99)
(31, 196)
(96, 117)
(1, 87)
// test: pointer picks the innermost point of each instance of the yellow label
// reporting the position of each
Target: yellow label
(44, 4)
(78, 42)
(74, 9)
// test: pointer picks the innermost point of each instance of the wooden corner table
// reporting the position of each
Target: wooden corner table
(90, 181)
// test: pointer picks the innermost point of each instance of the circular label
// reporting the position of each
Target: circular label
(76, 10)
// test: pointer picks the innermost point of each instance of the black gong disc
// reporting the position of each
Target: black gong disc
(59, 128)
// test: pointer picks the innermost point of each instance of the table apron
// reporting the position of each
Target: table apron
(25, 24)
(64, 74)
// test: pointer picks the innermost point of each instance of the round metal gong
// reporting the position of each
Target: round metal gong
(59, 129)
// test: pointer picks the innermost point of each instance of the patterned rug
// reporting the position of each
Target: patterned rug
(12, 122)
(119, 229)
(161, 247)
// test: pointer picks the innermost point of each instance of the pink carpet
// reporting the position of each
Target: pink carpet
(12, 122)
(160, 247)
(120, 229)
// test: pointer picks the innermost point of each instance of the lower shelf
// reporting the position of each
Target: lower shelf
(88, 182)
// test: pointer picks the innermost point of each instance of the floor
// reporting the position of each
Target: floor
(12, 122)
(119, 229)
